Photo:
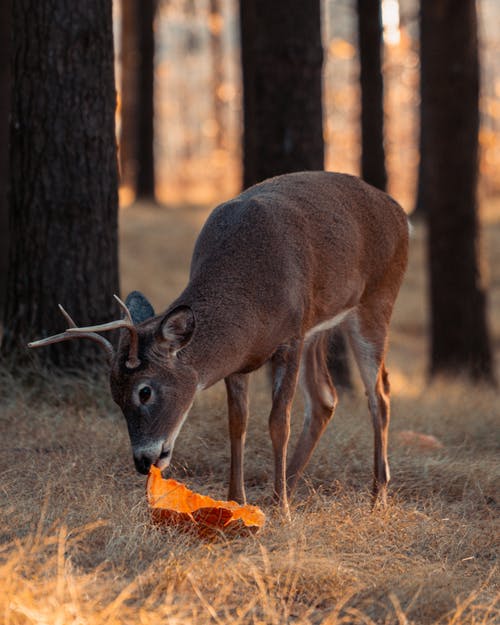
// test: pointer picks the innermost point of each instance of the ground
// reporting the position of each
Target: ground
(77, 544)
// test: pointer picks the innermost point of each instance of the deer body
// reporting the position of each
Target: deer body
(281, 259)
(271, 271)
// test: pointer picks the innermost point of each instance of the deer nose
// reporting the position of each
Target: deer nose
(145, 455)
(142, 463)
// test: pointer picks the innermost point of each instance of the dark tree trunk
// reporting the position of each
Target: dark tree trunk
(64, 199)
(5, 87)
(137, 131)
(372, 93)
(216, 25)
(450, 116)
(282, 58)
(419, 208)
(190, 45)
(129, 57)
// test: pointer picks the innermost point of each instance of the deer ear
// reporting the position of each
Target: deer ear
(177, 327)
(139, 307)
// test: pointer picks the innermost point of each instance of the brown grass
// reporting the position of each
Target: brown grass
(77, 545)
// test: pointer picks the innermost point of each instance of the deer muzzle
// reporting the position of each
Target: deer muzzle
(156, 453)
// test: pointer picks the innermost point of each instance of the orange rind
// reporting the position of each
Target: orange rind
(172, 503)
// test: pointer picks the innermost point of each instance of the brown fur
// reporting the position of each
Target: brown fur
(270, 265)
(271, 271)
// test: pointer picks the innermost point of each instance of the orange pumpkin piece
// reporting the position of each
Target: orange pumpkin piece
(173, 503)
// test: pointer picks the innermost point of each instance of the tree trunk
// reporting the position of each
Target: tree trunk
(419, 208)
(450, 116)
(5, 87)
(216, 28)
(372, 93)
(282, 58)
(64, 200)
(137, 118)
(129, 57)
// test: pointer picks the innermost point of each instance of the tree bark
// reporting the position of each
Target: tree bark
(216, 26)
(420, 208)
(282, 58)
(450, 115)
(64, 199)
(137, 118)
(372, 93)
(129, 57)
(5, 87)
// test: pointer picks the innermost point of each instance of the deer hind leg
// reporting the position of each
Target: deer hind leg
(367, 330)
(320, 400)
(285, 369)
(237, 407)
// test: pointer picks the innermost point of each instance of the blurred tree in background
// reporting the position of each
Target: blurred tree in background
(63, 180)
(215, 25)
(372, 93)
(137, 164)
(448, 187)
(5, 85)
(282, 61)
(63, 174)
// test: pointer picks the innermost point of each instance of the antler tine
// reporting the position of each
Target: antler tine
(125, 309)
(110, 325)
(65, 314)
(102, 327)
(56, 338)
(66, 336)
(127, 323)
(90, 332)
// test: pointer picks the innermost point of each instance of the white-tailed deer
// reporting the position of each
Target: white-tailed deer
(271, 271)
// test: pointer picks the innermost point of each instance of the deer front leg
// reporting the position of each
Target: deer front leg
(285, 369)
(237, 405)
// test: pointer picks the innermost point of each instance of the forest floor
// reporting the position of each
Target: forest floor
(77, 545)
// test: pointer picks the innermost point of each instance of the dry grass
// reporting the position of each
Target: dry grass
(77, 547)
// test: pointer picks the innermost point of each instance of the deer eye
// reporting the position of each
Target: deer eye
(144, 394)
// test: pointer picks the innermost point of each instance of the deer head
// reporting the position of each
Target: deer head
(150, 380)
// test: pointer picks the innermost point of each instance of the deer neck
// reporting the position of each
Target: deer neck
(222, 343)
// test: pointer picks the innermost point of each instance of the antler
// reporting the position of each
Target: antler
(73, 332)
(127, 323)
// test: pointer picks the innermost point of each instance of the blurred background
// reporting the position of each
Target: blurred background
(181, 103)
(198, 96)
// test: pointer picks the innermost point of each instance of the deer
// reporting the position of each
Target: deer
(272, 272)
